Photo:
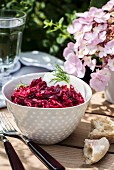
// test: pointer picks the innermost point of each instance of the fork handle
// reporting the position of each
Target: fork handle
(46, 158)
(12, 155)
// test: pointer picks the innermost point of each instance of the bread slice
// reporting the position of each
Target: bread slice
(94, 150)
(102, 127)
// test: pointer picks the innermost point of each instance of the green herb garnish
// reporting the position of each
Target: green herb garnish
(60, 75)
(19, 85)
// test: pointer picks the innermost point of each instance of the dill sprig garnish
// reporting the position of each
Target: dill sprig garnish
(60, 75)
(19, 85)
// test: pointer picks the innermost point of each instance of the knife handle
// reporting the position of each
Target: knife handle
(12, 155)
(46, 158)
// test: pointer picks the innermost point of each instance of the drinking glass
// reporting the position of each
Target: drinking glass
(12, 23)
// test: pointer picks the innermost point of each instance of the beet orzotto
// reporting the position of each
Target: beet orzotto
(38, 94)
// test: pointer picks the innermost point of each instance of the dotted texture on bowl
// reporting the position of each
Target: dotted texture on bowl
(47, 126)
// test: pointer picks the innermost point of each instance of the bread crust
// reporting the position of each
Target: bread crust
(102, 127)
(94, 150)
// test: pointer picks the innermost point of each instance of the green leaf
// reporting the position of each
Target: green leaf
(8, 5)
(48, 23)
(61, 20)
(52, 30)
(98, 3)
(60, 39)
(46, 43)
(71, 17)
(54, 48)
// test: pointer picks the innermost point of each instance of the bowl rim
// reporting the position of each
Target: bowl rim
(42, 73)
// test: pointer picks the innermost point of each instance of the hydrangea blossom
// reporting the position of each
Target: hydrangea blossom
(93, 45)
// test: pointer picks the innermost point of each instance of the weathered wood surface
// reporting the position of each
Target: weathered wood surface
(99, 105)
(70, 151)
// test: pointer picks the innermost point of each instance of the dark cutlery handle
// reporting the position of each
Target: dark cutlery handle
(47, 159)
(13, 157)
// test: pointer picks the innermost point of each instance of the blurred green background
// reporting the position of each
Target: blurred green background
(35, 36)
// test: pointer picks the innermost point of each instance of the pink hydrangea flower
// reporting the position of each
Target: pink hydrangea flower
(76, 26)
(111, 64)
(102, 52)
(69, 49)
(100, 79)
(93, 33)
(90, 63)
(109, 47)
(82, 15)
(109, 6)
(100, 27)
(86, 50)
(86, 28)
(90, 36)
(74, 66)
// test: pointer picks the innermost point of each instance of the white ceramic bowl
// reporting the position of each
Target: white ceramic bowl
(46, 125)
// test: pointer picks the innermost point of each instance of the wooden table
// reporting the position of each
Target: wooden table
(70, 151)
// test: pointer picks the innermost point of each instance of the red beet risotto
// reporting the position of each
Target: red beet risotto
(38, 94)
